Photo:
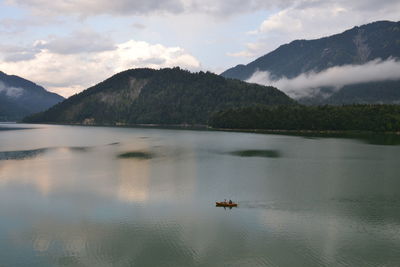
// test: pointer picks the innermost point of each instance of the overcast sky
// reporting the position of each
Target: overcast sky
(69, 45)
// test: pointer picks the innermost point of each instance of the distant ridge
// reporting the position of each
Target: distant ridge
(20, 97)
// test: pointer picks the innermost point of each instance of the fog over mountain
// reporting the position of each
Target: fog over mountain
(312, 71)
(20, 97)
(9, 91)
(310, 83)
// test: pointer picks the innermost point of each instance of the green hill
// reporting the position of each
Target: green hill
(166, 96)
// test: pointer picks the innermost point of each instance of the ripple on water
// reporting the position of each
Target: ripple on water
(263, 153)
(22, 154)
(33, 153)
(136, 155)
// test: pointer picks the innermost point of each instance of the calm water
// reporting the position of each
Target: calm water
(68, 199)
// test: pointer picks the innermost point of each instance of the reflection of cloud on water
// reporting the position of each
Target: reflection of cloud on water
(48, 238)
(33, 153)
(88, 173)
(32, 172)
(133, 179)
(67, 170)
(39, 167)
(10, 128)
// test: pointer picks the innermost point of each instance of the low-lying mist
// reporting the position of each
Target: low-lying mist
(308, 84)
(13, 92)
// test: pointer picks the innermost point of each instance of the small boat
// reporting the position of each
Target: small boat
(226, 204)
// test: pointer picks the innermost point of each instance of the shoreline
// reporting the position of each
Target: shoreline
(209, 128)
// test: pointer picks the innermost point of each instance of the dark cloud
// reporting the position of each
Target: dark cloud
(371, 5)
(84, 41)
(17, 53)
(17, 26)
(219, 8)
(139, 26)
(143, 7)
(89, 7)
(19, 57)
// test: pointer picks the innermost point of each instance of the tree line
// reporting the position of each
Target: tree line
(379, 118)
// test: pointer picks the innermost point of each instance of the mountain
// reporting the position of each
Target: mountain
(359, 45)
(20, 97)
(166, 96)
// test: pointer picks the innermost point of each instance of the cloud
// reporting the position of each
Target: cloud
(145, 7)
(69, 73)
(78, 42)
(89, 7)
(12, 26)
(252, 50)
(139, 26)
(308, 84)
(13, 92)
(82, 41)
(16, 53)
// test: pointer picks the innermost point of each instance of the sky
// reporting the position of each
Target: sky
(69, 45)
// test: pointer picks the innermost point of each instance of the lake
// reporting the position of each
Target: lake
(104, 196)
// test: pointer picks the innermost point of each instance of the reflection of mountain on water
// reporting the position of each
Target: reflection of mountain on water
(33, 153)
(262, 153)
(2, 128)
(22, 154)
(81, 171)
(95, 172)
(133, 180)
(34, 172)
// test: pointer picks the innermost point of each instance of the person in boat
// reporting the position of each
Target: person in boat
(230, 201)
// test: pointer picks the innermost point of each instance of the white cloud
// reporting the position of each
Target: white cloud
(67, 74)
(281, 22)
(308, 84)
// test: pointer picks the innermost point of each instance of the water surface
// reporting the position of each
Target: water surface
(68, 198)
